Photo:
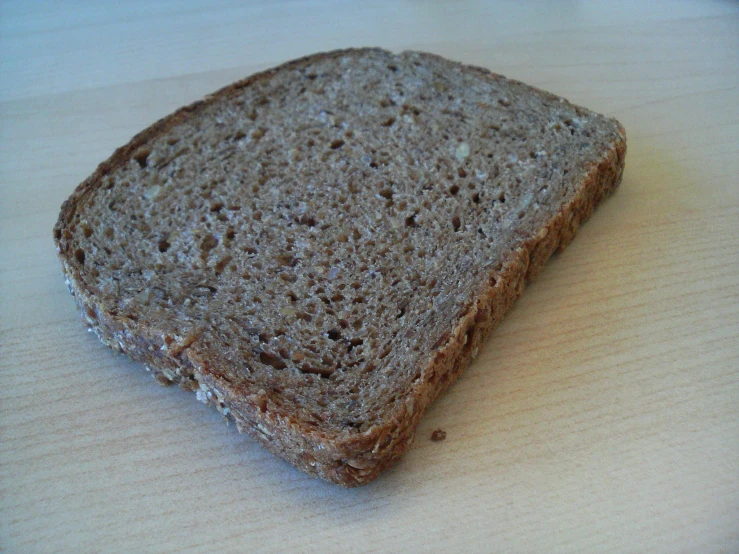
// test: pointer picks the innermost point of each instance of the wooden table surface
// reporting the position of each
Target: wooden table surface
(603, 415)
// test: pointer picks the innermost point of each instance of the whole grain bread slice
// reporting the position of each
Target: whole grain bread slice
(320, 249)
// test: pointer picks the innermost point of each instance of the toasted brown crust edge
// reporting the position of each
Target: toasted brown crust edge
(349, 459)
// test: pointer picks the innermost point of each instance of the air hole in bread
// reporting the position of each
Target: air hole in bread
(142, 157)
(355, 342)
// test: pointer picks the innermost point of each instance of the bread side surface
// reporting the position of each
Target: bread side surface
(332, 378)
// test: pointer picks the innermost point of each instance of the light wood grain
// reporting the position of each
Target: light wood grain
(603, 415)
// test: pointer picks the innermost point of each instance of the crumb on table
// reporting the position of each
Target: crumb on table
(438, 435)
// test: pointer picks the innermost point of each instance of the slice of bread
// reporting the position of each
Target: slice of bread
(320, 249)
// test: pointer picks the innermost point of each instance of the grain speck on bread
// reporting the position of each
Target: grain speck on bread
(319, 250)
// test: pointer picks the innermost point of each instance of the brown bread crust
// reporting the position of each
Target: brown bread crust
(349, 459)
